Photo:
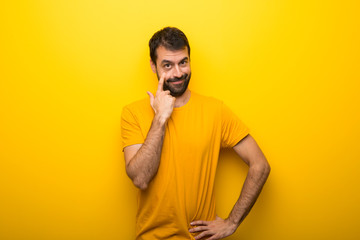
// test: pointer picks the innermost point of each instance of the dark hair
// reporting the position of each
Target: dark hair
(171, 38)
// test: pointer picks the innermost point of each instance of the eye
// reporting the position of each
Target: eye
(183, 62)
(167, 65)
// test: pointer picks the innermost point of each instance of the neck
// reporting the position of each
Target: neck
(183, 99)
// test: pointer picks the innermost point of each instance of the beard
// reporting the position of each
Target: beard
(176, 90)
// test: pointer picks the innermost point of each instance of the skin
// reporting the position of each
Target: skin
(259, 170)
(174, 64)
(143, 160)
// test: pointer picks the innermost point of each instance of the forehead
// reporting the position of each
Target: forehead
(171, 55)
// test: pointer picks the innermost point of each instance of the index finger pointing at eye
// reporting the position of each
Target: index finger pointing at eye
(161, 82)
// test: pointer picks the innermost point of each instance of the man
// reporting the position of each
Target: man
(171, 145)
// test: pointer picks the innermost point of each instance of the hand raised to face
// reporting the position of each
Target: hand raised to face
(163, 103)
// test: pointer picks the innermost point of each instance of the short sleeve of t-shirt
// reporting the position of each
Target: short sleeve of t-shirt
(232, 128)
(130, 129)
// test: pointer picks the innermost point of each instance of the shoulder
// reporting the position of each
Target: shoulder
(138, 105)
(207, 100)
(138, 108)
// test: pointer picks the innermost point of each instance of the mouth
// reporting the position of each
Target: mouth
(177, 82)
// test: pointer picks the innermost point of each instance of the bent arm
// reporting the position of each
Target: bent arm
(259, 170)
(142, 160)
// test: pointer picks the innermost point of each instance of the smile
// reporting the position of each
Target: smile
(178, 82)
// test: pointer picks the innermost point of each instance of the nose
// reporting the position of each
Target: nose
(177, 72)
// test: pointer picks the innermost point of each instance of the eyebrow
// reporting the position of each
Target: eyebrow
(168, 61)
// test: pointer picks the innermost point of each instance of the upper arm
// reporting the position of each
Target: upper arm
(250, 152)
(130, 151)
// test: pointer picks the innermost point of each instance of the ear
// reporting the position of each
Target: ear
(152, 65)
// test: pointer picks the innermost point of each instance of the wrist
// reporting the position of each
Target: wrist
(232, 222)
(160, 119)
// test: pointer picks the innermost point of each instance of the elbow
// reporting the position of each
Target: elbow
(141, 184)
(267, 168)
(262, 168)
(137, 179)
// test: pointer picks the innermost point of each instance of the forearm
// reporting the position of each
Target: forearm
(252, 187)
(145, 163)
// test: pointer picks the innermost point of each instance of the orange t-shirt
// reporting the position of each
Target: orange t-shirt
(182, 191)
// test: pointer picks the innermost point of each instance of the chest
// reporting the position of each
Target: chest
(189, 133)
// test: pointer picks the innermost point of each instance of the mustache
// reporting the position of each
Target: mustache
(175, 79)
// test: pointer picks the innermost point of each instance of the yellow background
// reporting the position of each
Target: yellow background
(289, 69)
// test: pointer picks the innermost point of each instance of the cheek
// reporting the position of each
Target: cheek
(186, 70)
